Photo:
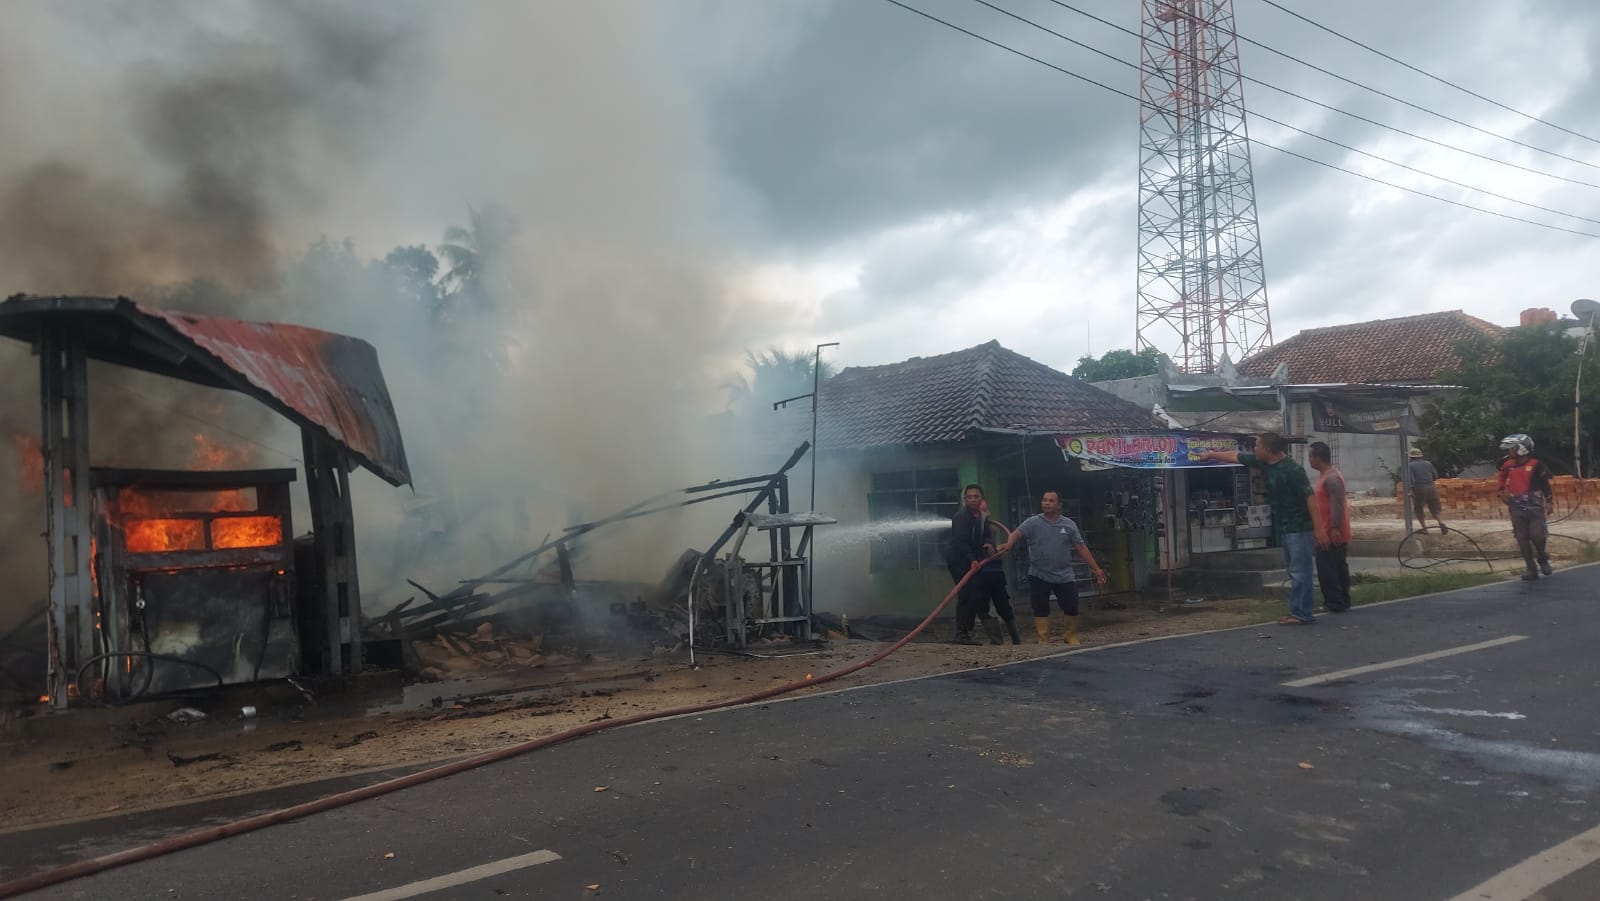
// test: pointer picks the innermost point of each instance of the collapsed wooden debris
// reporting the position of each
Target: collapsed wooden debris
(451, 656)
(502, 618)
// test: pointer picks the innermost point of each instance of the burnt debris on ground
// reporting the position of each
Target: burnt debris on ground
(534, 611)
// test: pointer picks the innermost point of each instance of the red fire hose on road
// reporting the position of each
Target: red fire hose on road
(250, 824)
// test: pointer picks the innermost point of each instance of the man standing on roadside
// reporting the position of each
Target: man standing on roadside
(1525, 487)
(1294, 516)
(974, 536)
(1424, 494)
(1333, 514)
(1051, 540)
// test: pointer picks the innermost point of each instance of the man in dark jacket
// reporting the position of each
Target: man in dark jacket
(974, 536)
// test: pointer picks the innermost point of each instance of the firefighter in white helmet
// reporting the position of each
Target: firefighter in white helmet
(1525, 487)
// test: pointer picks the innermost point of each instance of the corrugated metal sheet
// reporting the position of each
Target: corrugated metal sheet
(332, 380)
(323, 381)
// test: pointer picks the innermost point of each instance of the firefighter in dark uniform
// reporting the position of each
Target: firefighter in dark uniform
(1525, 487)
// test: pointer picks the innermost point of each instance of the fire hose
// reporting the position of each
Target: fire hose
(210, 834)
(1406, 553)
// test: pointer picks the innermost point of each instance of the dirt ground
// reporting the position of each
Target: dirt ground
(1567, 538)
(97, 763)
(97, 769)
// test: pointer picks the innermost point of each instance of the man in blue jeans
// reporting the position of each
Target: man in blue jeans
(1294, 516)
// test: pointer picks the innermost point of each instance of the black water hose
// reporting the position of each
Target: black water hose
(77, 681)
(1478, 555)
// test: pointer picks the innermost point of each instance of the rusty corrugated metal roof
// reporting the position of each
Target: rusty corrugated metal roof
(326, 382)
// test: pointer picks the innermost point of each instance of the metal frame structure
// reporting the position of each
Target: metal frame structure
(337, 636)
(772, 592)
(705, 581)
(329, 385)
(226, 613)
(64, 390)
(1201, 285)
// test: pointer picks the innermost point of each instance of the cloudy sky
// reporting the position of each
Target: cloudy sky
(916, 190)
(848, 170)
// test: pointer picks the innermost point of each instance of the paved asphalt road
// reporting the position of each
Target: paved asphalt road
(1175, 769)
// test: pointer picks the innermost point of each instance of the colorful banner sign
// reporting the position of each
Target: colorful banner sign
(1160, 450)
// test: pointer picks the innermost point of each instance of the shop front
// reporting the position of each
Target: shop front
(1199, 506)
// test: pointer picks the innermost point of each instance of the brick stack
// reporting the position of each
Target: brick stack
(1480, 498)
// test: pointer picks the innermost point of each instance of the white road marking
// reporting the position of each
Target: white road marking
(1404, 661)
(1527, 879)
(460, 877)
(1455, 711)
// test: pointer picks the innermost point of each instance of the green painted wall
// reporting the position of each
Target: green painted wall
(845, 583)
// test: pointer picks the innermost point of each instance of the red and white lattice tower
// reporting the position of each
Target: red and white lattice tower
(1202, 290)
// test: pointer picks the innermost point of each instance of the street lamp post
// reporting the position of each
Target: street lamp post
(1584, 310)
(816, 383)
(816, 386)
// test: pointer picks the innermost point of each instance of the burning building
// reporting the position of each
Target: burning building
(163, 580)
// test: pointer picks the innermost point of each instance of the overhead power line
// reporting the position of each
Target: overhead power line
(1334, 109)
(1121, 93)
(1416, 106)
(1425, 73)
(1298, 130)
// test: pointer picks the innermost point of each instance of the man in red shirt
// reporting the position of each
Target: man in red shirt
(1525, 487)
(1333, 515)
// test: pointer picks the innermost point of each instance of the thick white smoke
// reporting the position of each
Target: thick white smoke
(189, 153)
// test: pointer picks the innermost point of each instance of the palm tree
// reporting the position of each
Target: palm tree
(774, 375)
(469, 251)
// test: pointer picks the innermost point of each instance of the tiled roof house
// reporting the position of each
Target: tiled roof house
(952, 397)
(898, 444)
(1411, 350)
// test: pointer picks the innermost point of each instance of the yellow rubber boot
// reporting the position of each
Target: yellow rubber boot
(1071, 637)
(1041, 624)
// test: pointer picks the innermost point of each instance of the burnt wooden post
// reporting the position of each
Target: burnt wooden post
(64, 390)
(332, 525)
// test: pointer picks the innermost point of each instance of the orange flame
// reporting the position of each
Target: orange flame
(154, 536)
(30, 457)
(208, 454)
(134, 502)
(246, 531)
(211, 455)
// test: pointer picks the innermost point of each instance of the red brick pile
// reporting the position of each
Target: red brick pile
(1480, 498)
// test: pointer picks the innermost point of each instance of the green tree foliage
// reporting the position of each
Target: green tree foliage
(411, 273)
(471, 254)
(1118, 364)
(1521, 381)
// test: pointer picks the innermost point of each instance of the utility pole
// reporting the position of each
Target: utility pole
(1581, 308)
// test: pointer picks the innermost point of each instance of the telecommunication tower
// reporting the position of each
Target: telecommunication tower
(1202, 290)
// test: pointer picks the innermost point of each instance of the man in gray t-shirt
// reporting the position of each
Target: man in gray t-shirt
(1424, 494)
(1052, 539)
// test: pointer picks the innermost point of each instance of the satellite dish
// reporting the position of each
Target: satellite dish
(1583, 307)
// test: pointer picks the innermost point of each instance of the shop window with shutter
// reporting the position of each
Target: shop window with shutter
(906, 505)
